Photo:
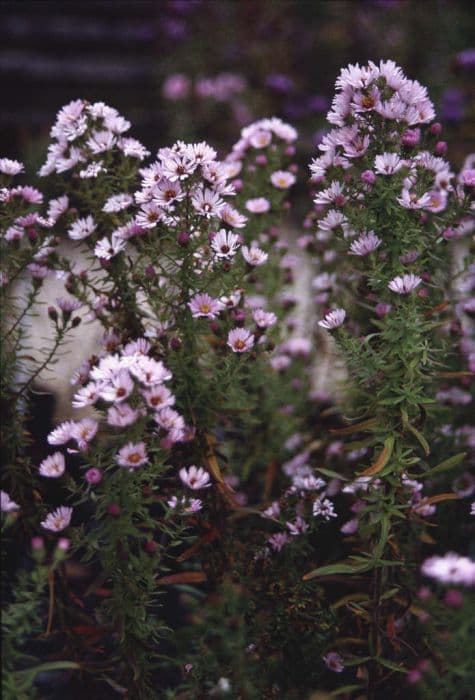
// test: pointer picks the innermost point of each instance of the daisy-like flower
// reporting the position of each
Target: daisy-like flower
(82, 228)
(118, 202)
(118, 388)
(388, 163)
(132, 455)
(158, 397)
(53, 466)
(254, 255)
(122, 414)
(323, 507)
(229, 215)
(186, 505)
(240, 340)
(334, 662)
(264, 319)
(260, 138)
(195, 477)
(282, 179)
(365, 244)
(202, 305)
(149, 215)
(83, 432)
(332, 220)
(298, 527)
(225, 244)
(258, 205)
(279, 540)
(62, 434)
(105, 249)
(92, 170)
(450, 569)
(149, 371)
(58, 520)
(335, 194)
(6, 503)
(333, 319)
(207, 202)
(10, 167)
(404, 284)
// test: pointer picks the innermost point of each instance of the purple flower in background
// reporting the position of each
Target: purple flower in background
(278, 82)
(466, 59)
(452, 105)
(334, 662)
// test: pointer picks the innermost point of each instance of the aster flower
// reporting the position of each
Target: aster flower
(258, 205)
(282, 179)
(334, 662)
(58, 520)
(332, 220)
(122, 414)
(202, 305)
(298, 527)
(324, 508)
(254, 256)
(132, 455)
(229, 215)
(240, 340)
(158, 397)
(84, 431)
(118, 202)
(333, 319)
(11, 167)
(279, 540)
(53, 466)
(195, 477)
(388, 163)
(107, 248)
(6, 503)
(450, 569)
(225, 244)
(118, 388)
(62, 433)
(404, 284)
(264, 319)
(186, 505)
(149, 215)
(365, 244)
(207, 202)
(149, 371)
(82, 228)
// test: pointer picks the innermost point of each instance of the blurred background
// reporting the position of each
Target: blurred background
(201, 69)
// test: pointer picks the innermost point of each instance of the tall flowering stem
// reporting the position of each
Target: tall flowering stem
(384, 200)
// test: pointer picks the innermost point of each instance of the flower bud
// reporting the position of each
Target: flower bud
(175, 343)
(52, 313)
(183, 238)
(93, 476)
(113, 510)
(440, 148)
(368, 177)
(151, 547)
(435, 128)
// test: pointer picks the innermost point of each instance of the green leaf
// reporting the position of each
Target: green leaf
(390, 664)
(449, 463)
(345, 689)
(336, 569)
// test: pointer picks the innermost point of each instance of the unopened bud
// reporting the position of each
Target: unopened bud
(52, 313)
(113, 510)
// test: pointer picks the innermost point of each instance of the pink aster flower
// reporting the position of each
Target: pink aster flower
(467, 177)
(132, 455)
(202, 305)
(334, 662)
(282, 179)
(264, 319)
(195, 477)
(279, 540)
(6, 503)
(58, 520)
(323, 507)
(404, 284)
(240, 340)
(225, 244)
(365, 244)
(186, 505)
(298, 527)
(258, 205)
(83, 432)
(107, 248)
(388, 163)
(450, 569)
(81, 228)
(207, 202)
(158, 397)
(333, 319)
(10, 167)
(53, 466)
(122, 414)
(118, 388)
(118, 202)
(62, 434)
(229, 215)
(254, 256)
(149, 371)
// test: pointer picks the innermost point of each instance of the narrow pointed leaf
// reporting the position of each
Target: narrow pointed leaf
(382, 460)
